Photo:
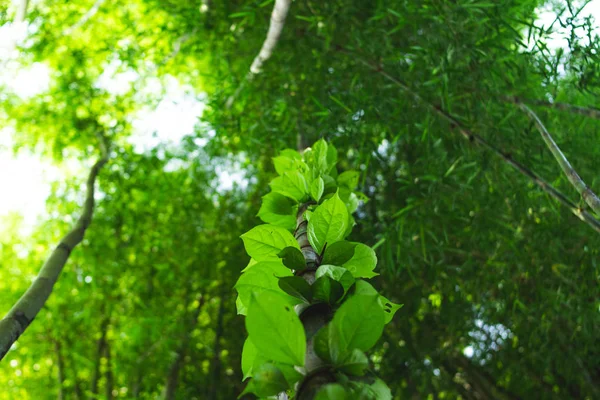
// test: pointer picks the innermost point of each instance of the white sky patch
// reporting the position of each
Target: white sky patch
(558, 38)
(24, 182)
(175, 116)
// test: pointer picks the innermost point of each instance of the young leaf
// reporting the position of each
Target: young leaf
(363, 262)
(291, 184)
(348, 179)
(268, 381)
(292, 258)
(355, 363)
(328, 223)
(352, 203)
(339, 253)
(290, 373)
(264, 242)
(339, 274)
(330, 185)
(324, 345)
(332, 391)
(288, 160)
(327, 290)
(317, 188)
(262, 277)
(297, 287)
(250, 264)
(332, 157)
(387, 306)
(380, 390)
(251, 359)
(275, 329)
(319, 158)
(278, 210)
(358, 323)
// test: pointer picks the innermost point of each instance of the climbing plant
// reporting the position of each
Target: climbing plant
(310, 313)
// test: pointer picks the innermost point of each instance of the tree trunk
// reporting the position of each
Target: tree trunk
(173, 376)
(100, 346)
(29, 305)
(215, 365)
(108, 374)
(61, 370)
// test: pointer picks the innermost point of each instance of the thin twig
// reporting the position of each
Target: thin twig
(588, 195)
(475, 138)
(31, 302)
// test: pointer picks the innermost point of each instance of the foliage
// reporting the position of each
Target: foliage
(499, 282)
(275, 351)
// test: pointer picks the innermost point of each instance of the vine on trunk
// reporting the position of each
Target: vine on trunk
(310, 315)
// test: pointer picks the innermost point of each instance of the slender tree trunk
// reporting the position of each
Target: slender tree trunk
(173, 375)
(29, 305)
(61, 369)
(22, 11)
(100, 346)
(215, 365)
(108, 374)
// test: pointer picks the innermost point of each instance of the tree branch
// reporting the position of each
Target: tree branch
(85, 18)
(28, 306)
(278, 16)
(475, 138)
(588, 195)
(585, 111)
(22, 11)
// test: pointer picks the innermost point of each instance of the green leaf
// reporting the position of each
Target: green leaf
(275, 329)
(291, 184)
(328, 223)
(332, 391)
(268, 381)
(339, 253)
(250, 264)
(264, 242)
(288, 160)
(389, 308)
(276, 209)
(290, 373)
(292, 258)
(327, 290)
(348, 180)
(332, 157)
(339, 274)
(362, 263)
(358, 323)
(319, 158)
(355, 363)
(297, 287)
(380, 390)
(259, 278)
(330, 185)
(352, 203)
(325, 345)
(251, 359)
(317, 188)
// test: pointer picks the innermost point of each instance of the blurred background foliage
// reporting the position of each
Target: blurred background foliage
(499, 282)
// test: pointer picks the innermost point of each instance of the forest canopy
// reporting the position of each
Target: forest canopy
(431, 166)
